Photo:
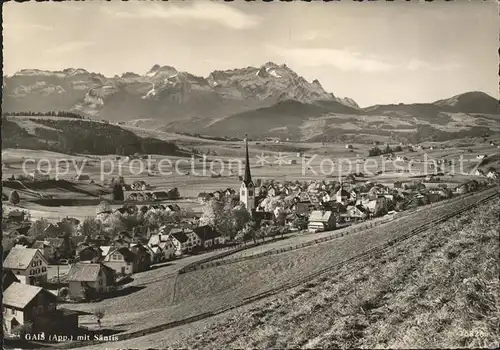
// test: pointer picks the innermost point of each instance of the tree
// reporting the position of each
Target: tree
(173, 193)
(91, 227)
(14, 198)
(37, 229)
(99, 314)
(225, 216)
(375, 151)
(117, 192)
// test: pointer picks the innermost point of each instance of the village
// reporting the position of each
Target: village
(74, 261)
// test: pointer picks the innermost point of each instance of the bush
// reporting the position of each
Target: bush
(14, 198)
(63, 292)
(118, 192)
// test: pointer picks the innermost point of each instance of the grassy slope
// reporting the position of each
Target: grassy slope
(219, 287)
(439, 289)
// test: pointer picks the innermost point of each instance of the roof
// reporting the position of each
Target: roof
(173, 207)
(247, 178)
(105, 249)
(160, 194)
(55, 242)
(19, 258)
(77, 239)
(322, 216)
(121, 210)
(179, 235)
(128, 256)
(19, 295)
(8, 273)
(206, 232)
(85, 272)
(16, 213)
(39, 245)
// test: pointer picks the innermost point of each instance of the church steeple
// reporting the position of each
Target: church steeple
(247, 179)
(247, 190)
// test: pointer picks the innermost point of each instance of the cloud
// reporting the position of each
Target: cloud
(344, 59)
(349, 59)
(199, 11)
(69, 46)
(416, 64)
(9, 27)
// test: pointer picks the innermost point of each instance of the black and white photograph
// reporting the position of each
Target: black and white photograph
(208, 174)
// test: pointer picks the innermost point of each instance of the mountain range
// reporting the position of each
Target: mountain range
(270, 100)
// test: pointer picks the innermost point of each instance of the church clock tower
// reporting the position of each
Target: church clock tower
(247, 189)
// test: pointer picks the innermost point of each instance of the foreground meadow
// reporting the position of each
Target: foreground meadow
(375, 290)
(439, 289)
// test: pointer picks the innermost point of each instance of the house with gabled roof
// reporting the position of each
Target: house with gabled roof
(87, 252)
(184, 240)
(355, 213)
(84, 278)
(142, 257)
(208, 236)
(342, 196)
(26, 304)
(321, 221)
(160, 195)
(122, 260)
(28, 265)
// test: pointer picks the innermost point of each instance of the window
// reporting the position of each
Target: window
(44, 269)
(33, 264)
(100, 282)
(250, 193)
(243, 192)
(12, 311)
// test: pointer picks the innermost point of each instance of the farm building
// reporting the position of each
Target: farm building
(321, 221)
(82, 177)
(39, 176)
(355, 213)
(28, 265)
(24, 304)
(84, 276)
(208, 236)
(122, 260)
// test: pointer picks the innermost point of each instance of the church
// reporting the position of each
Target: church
(247, 188)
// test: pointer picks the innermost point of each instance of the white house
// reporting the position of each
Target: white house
(321, 221)
(28, 265)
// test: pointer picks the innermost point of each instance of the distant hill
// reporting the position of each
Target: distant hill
(267, 100)
(470, 102)
(467, 115)
(71, 135)
(285, 118)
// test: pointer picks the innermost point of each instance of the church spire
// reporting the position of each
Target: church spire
(248, 177)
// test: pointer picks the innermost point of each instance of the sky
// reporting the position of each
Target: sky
(375, 53)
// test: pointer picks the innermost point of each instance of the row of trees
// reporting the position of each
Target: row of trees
(375, 151)
(82, 136)
(64, 114)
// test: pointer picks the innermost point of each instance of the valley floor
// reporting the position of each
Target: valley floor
(437, 289)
